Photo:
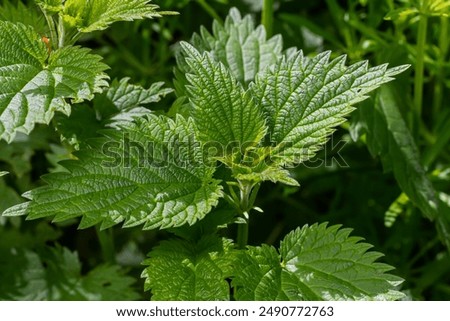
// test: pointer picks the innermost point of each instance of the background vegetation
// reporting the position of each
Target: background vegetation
(373, 166)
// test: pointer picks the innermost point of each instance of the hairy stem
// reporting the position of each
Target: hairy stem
(267, 17)
(419, 72)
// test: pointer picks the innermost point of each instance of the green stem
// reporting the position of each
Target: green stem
(210, 10)
(242, 235)
(51, 27)
(245, 192)
(71, 36)
(61, 32)
(146, 39)
(338, 15)
(419, 74)
(435, 149)
(246, 200)
(423, 251)
(130, 58)
(267, 17)
(440, 77)
(106, 241)
(390, 4)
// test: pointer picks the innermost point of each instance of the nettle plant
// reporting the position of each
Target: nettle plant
(246, 111)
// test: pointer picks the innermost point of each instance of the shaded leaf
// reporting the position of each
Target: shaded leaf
(19, 13)
(218, 218)
(122, 101)
(388, 136)
(79, 126)
(187, 270)
(55, 274)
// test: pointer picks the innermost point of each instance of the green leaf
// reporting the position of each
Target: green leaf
(179, 270)
(55, 274)
(50, 6)
(17, 157)
(78, 74)
(108, 283)
(304, 99)
(152, 172)
(314, 263)
(402, 14)
(35, 84)
(254, 166)
(262, 172)
(88, 16)
(258, 275)
(396, 209)
(240, 46)
(122, 101)
(3, 173)
(218, 218)
(224, 113)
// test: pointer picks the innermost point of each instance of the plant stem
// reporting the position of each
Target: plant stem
(267, 17)
(246, 200)
(245, 192)
(338, 15)
(419, 74)
(61, 33)
(440, 77)
(210, 10)
(51, 27)
(435, 149)
(430, 244)
(242, 235)
(106, 241)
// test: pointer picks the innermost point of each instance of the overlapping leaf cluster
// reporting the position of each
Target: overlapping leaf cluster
(254, 108)
(56, 275)
(41, 72)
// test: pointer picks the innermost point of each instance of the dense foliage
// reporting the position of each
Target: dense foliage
(162, 144)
